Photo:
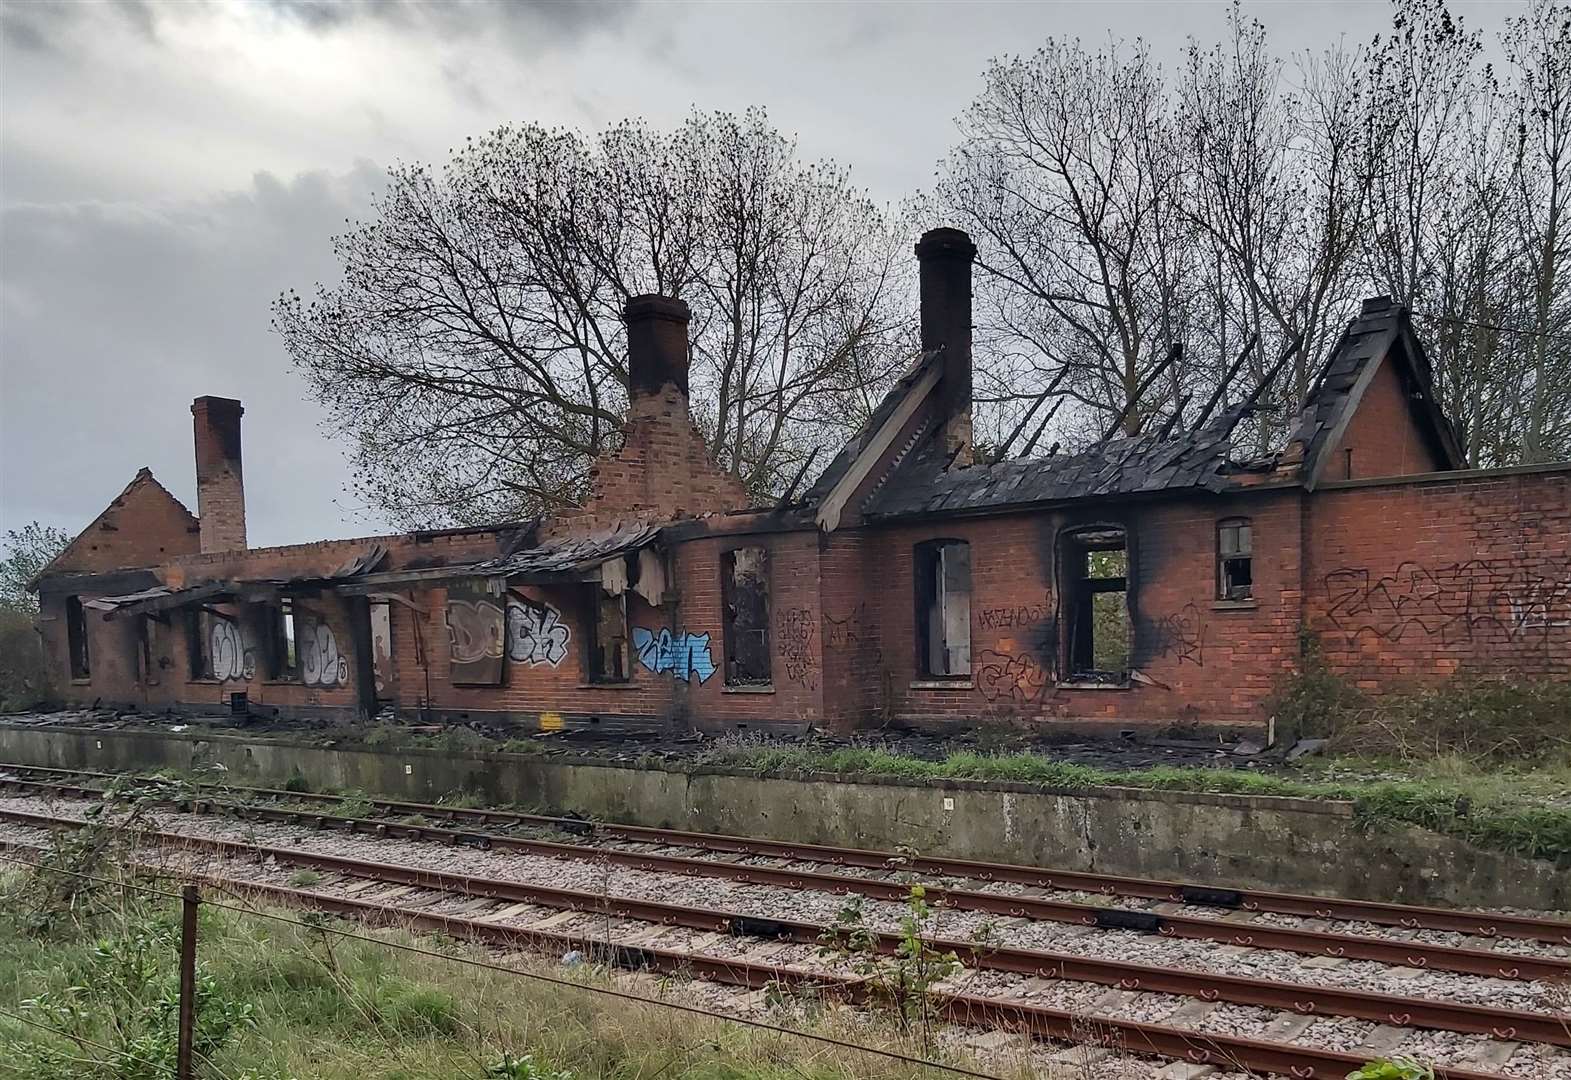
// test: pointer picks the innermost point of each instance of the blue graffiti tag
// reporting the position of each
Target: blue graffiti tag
(683, 655)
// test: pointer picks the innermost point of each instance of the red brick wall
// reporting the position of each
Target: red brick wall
(143, 526)
(1418, 579)
(662, 472)
(1382, 435)
(1201, 660)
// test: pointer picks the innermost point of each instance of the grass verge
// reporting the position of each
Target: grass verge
(283, 1002)
(1520, 810)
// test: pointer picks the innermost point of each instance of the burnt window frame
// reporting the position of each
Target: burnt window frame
(79, 655)
(199, 645)
(928, 560)
(1245, 554)
(728, 621)
(594, 597)
(285, 651)
(1078, 588)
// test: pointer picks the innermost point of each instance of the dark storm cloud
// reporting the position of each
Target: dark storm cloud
(115, 316)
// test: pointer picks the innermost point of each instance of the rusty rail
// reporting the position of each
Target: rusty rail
(1489, 924)
(1222, 1051)
(1303, 998)
(1502, 965)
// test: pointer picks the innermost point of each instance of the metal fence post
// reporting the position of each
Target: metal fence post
(188, 903)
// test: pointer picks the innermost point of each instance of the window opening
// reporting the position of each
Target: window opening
(943, 614)
(199, 643)
(744, 585)
(1235, 559)
(286, 659)
(608, 636)
(1096, 604)
(76, 637)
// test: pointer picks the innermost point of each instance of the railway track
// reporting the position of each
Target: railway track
(1177, 923)
(1484, 924)
(1295, 1001)
(1214, 1049)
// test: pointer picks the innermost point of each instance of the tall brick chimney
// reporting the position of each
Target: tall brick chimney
(662, 471)
(945, 257)
(656, 344)
(220, 489)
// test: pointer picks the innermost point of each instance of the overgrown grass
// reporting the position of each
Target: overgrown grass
(1524, 811)
(282, 1001)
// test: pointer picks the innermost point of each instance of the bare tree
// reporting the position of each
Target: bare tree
(473, 353)
(1538, 45)
(1278, 182)
(1068, 177)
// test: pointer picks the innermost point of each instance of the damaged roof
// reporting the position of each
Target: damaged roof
(1383, 329)
(1145, 463)
(848, 454)
(1200, 459)
(566, 559)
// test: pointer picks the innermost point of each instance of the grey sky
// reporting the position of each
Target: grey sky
(166, 169)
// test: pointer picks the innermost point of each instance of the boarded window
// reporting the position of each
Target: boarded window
(477, 634)
(607, 636)
(381, 614)
(744, 586)
(1235, 578)
(943, 608)
(1096, 603)
(76, 637)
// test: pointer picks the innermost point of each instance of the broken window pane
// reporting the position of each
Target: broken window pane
(943, 588)
(744, 581)
(1234, 553)
(608, 636)
(1095, 608)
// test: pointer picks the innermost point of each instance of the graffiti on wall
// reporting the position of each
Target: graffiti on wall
(1034, 613)
(475, 641)
(1479, 600)
(320, 662)
(536, 633)
(232, 658)
(684, 655)
(795, 630)
(1182, 635)
(1010, 678)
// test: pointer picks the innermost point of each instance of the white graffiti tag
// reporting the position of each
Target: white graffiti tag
(320, 664)
(536, 633)
(231, 658)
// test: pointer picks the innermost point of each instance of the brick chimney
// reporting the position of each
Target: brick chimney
(945, 257)
(662, 471)
(656, 345)
(220, 489)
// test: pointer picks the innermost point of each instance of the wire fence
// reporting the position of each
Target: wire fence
(191, 900)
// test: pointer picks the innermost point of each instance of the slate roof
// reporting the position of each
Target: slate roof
(1381, 324)
(1131, 466)
(886, 408)
(1148, 464)
(563, 559)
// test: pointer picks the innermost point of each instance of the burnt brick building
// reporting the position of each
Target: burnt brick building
(1147, 581)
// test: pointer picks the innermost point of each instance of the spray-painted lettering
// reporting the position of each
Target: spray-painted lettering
(683, 655)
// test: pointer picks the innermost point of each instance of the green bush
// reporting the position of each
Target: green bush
(24, 680)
